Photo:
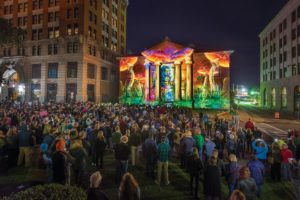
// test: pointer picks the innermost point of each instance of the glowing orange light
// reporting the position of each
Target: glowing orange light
(126, 62)
(205, 72)
(222, 56)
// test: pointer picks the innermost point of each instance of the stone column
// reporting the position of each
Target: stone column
(43, 82)
(177, 80)
(147, 80)
(157, 82)
(61, 82)
(82, 81)
(189, 80)
(98, 85)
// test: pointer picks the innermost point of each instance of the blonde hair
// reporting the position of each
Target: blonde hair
(232, 158)
(237, 195)
(215, 153)
(95, 179)
(100, 135)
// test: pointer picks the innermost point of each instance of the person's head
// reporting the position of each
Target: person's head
(128, 186)
(212, 161)
(195, 152)
(232, 158)
(60, 145)
(124, 139)
(95, 179)
(244, 173)
(237, 195)
(163, 139)
(285, 146)
(100, 135)
(215, 153)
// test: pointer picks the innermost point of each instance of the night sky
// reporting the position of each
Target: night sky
(207, 24)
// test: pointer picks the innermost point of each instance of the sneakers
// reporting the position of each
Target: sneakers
(168, 183)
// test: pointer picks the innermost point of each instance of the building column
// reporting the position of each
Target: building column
(189, 80)
(43, 82)
(61, 82)
(147, 80)
(97, 85)
(82, 82)
(157, 81)
(177, 80)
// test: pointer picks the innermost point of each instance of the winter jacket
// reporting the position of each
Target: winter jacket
(80, 156)
(25, 139)
(163, 152)
(150, 149)
(135, 139)
(257, 170)
(285, 155)
(195, 165)
(261, 152)
(231, 145)
(212, 180)
(209, 147)
(99, 145)
(199, 139)
(248, 187)
(187, 144)
(122, 151)
(233, 172)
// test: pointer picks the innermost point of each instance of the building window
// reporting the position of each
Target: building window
(69, 13)
(75, 13)
(52, 70)
(35, 91)
(36, 50)
(265, 96)
(76, 29)
(298, 31)
(72, 47)
(284, 24)
(294, 16)
(36, 71)
(283, 98)
(72, 70)
(294, 52)
(284, 56)
(69, 29)
(91, 92)
(71, 91)
(113, 75)
(51, 91)
(273, 98)
(52, 49)
(104, 73)
(91, 71)
(294, 34)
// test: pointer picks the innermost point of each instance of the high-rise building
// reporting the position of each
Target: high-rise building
(69, 50)
(280, 60)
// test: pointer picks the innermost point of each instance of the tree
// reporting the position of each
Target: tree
(10, 35)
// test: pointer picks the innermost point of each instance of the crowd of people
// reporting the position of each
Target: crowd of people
(57, 142)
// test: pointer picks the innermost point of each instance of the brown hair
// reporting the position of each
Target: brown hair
(128, 187)
(237, 195)
(244, 173)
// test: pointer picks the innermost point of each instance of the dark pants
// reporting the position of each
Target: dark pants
(12, 157)
(99, 156)
(121, 169)
(150, 165)
(79, 175)
(276, 171)
(196, 178)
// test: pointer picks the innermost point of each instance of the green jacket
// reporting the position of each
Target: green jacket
(199, 141)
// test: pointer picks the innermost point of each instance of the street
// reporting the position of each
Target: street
(266, 122)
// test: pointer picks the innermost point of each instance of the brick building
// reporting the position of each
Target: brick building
(69, 51)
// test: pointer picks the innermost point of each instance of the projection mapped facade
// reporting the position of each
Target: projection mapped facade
(172, 73)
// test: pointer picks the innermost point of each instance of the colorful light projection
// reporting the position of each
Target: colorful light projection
(132, 80)
(167, 83)
(211, 80)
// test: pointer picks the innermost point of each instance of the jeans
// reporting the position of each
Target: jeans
(122, 168)
(162, 166)
(196, 178)
(150, 164)
(99, 156)
(258, 193)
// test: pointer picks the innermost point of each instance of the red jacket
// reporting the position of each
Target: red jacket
(249, 125)
(285, 155)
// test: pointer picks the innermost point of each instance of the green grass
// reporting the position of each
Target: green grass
(177, 190)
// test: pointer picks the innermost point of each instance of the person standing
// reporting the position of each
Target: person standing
(246, 184)
(163, 161)
(134, 142)
(257, 170)
(122, 152)
(195, 166)
(99, 149)
(212, 180)
(12, 146)
(199, 139)
(286, 154)
(94, 193)
(150, 152)
(129, 188)
(233, 171)
(25, 144)
(261, 149)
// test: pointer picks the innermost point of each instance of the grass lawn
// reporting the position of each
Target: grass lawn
(177, 190)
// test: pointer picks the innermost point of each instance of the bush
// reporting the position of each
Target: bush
(49, 192)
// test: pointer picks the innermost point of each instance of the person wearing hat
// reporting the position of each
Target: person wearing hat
(122, 152)
(60, 163)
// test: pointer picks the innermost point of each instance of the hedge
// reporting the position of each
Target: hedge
(49, 192)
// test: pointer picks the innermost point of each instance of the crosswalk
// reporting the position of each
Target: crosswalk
(272, 131)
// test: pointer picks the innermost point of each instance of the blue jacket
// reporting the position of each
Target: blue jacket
(188, 143)
(261, 152)
(209, 147)
(257, 170)
(25, 139)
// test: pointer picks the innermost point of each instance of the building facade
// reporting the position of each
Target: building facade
(69, 51)
(280, 60)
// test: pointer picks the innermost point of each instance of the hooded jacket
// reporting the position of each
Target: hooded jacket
(257, 170)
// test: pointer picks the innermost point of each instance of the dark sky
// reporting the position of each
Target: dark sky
(208, 24)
